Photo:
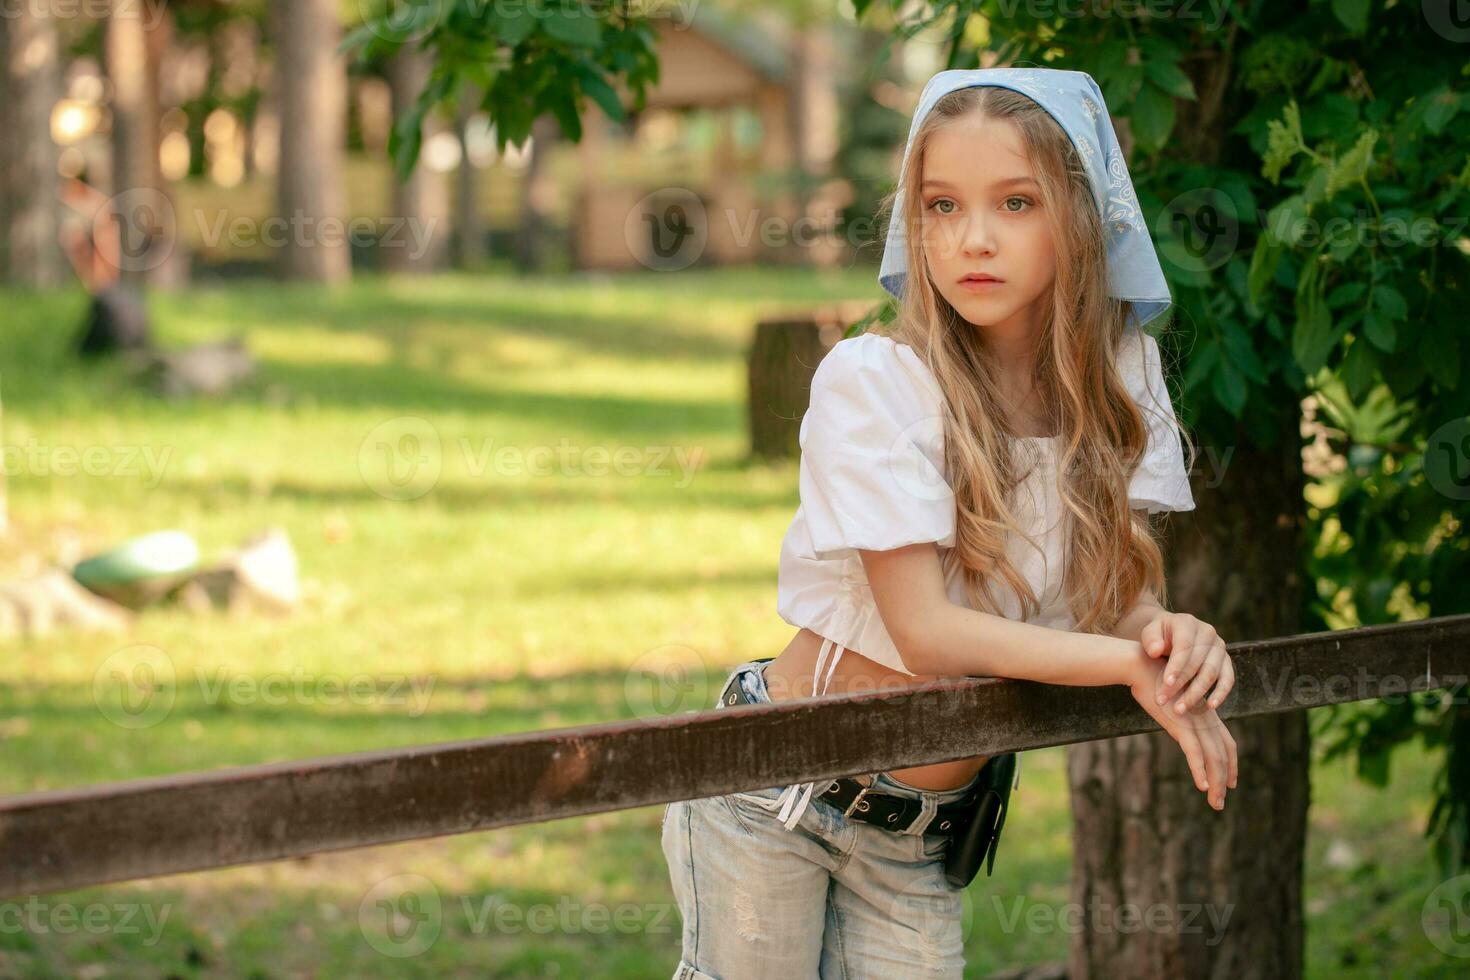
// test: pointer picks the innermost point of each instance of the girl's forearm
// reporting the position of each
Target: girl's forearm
(957, 641)
(1131, 625)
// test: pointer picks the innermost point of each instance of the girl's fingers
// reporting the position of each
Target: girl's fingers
(1189, 742)
(1194, 754)
(1227, 682)
(1231, 755)
(1182, 658)
(1204, 678)
(1154, 638)
(1216, 768)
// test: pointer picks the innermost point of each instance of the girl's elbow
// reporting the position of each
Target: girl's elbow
(915, 637)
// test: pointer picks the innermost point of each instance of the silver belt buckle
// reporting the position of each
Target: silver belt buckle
(856, 800)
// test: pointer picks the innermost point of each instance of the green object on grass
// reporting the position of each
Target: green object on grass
(157, 559)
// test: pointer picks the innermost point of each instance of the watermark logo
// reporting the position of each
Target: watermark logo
(667, 680)
(134, 687)
(401, 459)
(1446, 916)
(667, 230)
(1450, 19)
(1447, 459)
(401, 916)
(1198, 230)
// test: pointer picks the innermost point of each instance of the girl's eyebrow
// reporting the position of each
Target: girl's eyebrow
(1007, 182)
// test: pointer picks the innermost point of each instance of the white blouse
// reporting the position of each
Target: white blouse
(871, 478)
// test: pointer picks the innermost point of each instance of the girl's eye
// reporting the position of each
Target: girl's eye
(1008, 200)
(934, 205)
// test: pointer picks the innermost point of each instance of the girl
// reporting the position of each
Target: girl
(975, 491)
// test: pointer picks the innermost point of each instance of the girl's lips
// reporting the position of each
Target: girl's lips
(977, 285)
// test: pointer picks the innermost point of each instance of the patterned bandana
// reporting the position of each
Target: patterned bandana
(1074, 100)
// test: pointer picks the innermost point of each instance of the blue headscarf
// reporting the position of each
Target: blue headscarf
(1074, 100)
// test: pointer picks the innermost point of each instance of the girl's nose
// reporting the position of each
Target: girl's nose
(979, 238)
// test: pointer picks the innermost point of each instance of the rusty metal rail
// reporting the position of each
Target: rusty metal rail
(61, 839)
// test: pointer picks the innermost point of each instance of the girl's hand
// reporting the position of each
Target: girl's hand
(1197, 657)
(1207, 743)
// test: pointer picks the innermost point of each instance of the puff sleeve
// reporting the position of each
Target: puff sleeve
(871, 469)
(1161, 481)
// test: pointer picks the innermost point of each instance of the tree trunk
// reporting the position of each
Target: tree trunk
(30, 213)
(1225, 887)
(414, 239)
(536, 188)
(471, 230)
(311, 84)
(783, 357)
(135, 40)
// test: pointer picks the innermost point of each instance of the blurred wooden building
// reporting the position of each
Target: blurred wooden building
(734, 202)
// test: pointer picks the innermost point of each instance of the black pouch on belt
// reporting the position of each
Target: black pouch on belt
(971, 844)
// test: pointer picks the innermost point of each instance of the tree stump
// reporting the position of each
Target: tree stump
(784, 355)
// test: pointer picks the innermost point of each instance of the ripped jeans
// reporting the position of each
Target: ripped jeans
(830, 898)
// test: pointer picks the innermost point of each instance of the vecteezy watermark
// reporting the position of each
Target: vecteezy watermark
(1445, 916)
(38, 459)
(403, 459)
(413, 20)
(1098, 916)
(37, 917)
(137, 686)
(912, 465)
(1447, 459)
(1153, 10)
(667, 680)
(150, 12)
(1283, 686)
(404, 915)
(302, 230)
(567, 916)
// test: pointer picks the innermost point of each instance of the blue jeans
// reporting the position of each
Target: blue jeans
(830, 898)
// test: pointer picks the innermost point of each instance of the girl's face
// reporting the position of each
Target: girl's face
(982, 215)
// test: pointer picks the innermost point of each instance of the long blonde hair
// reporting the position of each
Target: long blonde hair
(1111, 554)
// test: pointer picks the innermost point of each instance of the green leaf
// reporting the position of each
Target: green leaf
(1287, 221)
(1343, 242)
(1316, 187)
(603, 94)
(1390, 301)
(1357, 369)
(1168, 76)
(1229, 388)
(1354, 164)
(513, 23)
(1440, 353)
(575, 24)
(1379, 329)
(1347, 294)
(1201, 363)
(1153, 117)
(1263, 268)
(1352, 13)
(1283, 141)
(1313, 337)
(1373, 767)
(1443, 106)
(1242, 354)
(564, 108)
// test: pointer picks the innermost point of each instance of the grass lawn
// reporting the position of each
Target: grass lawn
(532, 566)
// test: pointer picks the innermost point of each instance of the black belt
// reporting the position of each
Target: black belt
(887, 810)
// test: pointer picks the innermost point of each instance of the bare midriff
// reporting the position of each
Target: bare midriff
(790, 676)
